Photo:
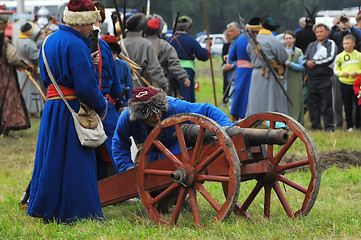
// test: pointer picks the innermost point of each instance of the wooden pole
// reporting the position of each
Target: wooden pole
(210, 57)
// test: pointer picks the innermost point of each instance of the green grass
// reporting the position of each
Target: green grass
(336, 214)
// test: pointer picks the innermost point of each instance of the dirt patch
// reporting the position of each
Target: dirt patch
(340, 159)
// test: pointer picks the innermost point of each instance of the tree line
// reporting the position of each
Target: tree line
(222, 12)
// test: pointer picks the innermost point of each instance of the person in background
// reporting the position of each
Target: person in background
(294, 78)
(265, 94)
(341, 28)
(347, 68)
(234, 31)
(303, 38)
(64, 186)
(167, 56)
(26, 48)
(318, 61)
(357, 26)
(242, 80)
(357, 92)
(188, 49)
(109, 84)
(122, 67)
(13, 111)
(225, 50)
(43, 22)
(301, 23)
(142, 52)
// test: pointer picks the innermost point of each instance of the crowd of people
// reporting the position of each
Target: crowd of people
(136, 80)
(317, 66)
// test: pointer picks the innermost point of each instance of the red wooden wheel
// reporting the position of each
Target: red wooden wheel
(296, 198)
(189, 171)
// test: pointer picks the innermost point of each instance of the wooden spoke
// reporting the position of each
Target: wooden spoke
(290, 183)
(292, 165)
(209, 160)
(267, 201)
(200, 188)
(165, 193)
(178, 206)
(157, 172)
(283, 199)
(182, 144)
(273, 168)
(176, 172)
(212, 178)
(197, 147)
(251, 196)
(284, 149)
(167, 153)
(194, 204)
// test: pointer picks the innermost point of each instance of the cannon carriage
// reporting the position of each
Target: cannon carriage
(211, 155)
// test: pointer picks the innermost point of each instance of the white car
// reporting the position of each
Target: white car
(217, 42)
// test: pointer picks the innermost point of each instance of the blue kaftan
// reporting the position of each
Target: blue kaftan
(242, 79)
(64, 184)
(125, 129)
(188, 49)
(125, 77)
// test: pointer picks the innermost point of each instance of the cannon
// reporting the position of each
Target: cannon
(212, 157)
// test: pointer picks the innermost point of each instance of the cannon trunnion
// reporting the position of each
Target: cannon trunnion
(211, 155)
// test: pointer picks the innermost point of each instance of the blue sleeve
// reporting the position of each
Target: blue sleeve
(179, 106)
(298, 66)
(121, 144)
(115, 89)
(201, 53)
(128, 82)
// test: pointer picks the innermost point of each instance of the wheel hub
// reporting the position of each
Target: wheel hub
(185, 176)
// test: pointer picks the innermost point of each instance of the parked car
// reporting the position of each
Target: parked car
(217, 42)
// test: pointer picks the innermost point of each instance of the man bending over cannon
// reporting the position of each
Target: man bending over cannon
(146, 109)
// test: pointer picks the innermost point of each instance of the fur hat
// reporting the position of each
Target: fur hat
(254, 24)
(80, 12)
(112, 43)
(269, 23)
(136, 22)
(155, 25)
(146, 102)
(184, 23)
(27, 29)
(3, 21)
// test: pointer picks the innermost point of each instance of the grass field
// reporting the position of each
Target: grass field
(335, 215)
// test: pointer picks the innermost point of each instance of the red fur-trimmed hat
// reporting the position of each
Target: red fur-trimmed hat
(112, 43)
(80, 12)
(147, 101)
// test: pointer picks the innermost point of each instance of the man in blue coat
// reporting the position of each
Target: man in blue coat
(145, 110)
(109, 82)
(242, 80)
(64, 183)
(188, 49)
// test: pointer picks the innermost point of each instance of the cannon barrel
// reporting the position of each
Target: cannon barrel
(255, 137)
